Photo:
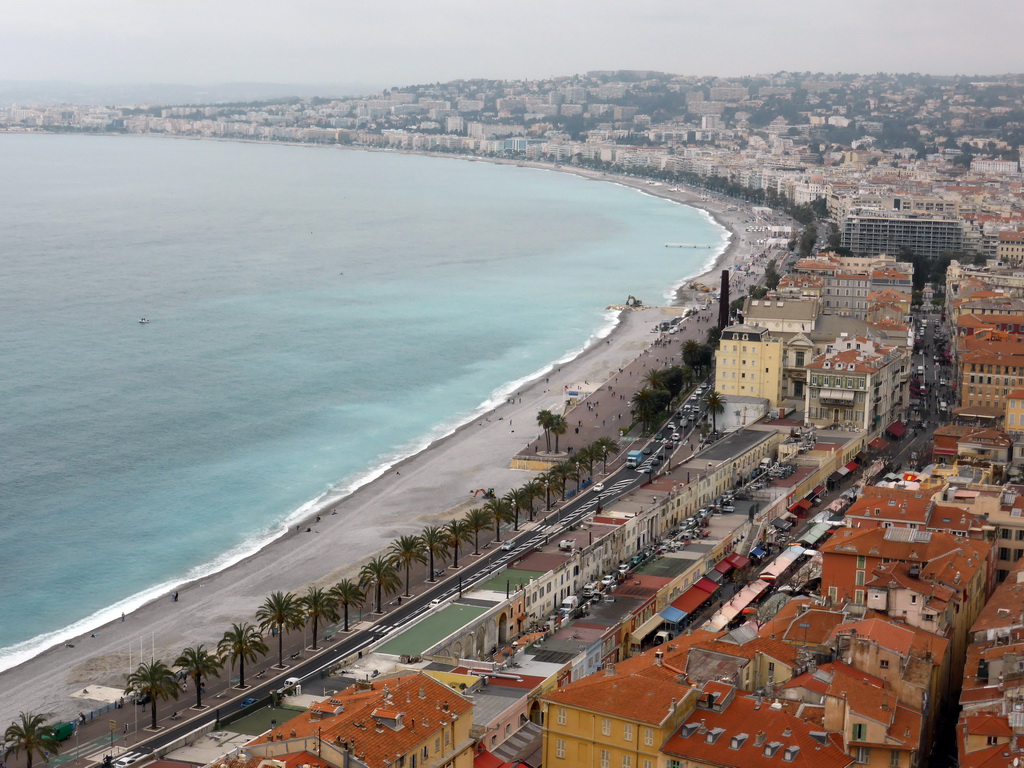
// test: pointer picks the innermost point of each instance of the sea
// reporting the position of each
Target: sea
(314, 316)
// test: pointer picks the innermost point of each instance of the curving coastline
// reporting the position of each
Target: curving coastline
(433, 478)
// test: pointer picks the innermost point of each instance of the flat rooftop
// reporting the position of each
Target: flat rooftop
(513, 578)
(433, 629)
(733, 445)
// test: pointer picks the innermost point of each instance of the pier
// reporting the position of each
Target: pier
(689, 245)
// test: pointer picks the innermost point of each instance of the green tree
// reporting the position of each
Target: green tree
(156, 680)
(520, 499)
(318, 604)
(534, 491)
(458, 534)
(559, 426)
(199, 664)
(32, 736)
(644, 408)
(347, 593)
(691, 352)
(500, 511)
(585, 458)
(280, 613)
(606, 447)
(242, 643)
(655, 378)
(716, 405)
(689, 375)
(771, 275)
(558, 477)
(382, 575)
(545, 419)
(435, 541)
(406, 550)
(477, 519)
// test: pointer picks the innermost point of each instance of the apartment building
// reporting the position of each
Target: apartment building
(856, 382)
(1010, 247)
(868, 232)
(748, 363)
(990, 365)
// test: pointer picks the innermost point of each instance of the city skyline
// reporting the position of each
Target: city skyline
(398, 43)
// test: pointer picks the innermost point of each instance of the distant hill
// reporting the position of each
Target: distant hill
(61, 92)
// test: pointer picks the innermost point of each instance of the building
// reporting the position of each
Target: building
(856, 382)
(748, 363)
(868, 232)
(990, 365)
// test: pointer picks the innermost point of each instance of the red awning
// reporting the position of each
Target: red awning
(803, 504)
(852, 465)
(690, 600)
(795, 507)
(738, 560)
(896, 429)
(706, 584)
(818, 490)
(724, 567)
(878, 444)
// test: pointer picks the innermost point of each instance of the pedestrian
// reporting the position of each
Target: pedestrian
(122, 617)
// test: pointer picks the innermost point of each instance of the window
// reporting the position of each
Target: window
(991, 739)
(648, 764)
(883, 663)
(894, 758)
(606, 726)
(913, 599)
(860, 578)
(860, 731)
(412, 760)
(863, 755)
(862, 561)
(833, 594)
(627, 761)
(771, 667)
(560, 748)
(627, 731)
(649, 737)
(561, 715)
(1004, 553)
(437, 745)
(605, 758)
(858, 596)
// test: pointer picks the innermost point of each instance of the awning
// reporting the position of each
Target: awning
(835, 477)
(779, 565)
(838, 395)
(738, 604)
(672, 615)
(861, 457)
(691, 600)
(706, 584)
(737, 560)
(782, 525)
(787, 516)
(852, 466)
(879, 444)
(640, 633)
(896, 429)
(842, 471)
(724, 567)
(794, 507)
(758, 551)
(715, 576)
(803, 504)
(818, 490)
(812, 536)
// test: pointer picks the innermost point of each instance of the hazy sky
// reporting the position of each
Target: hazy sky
(398, 42)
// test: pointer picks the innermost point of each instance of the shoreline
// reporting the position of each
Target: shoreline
(232, 589)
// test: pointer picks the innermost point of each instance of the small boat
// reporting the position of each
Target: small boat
(143, 319)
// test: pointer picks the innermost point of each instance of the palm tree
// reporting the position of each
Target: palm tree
(689, 375)
(458, 534)
(691, 352)
(279, 613)
(643, 407)
(318, 603)
(242, 643)
(606, 447)
(405, 551)
(477, 519)
(381, 574)
(500, 511)
(559, 426)
(655, 378)
(534, 490)
(520, 499)
(573, 471)
(435, 541)
(155, 679)
(544, 421)
(33, 736)
(715, 405)
(585, 458)
(347, 593)
(199, 663)
(558, 477)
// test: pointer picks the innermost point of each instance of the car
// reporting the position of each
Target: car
(598, 487)
(507, 546)
(248, 702)
(675, 437)
(942, 382)
(608, 580)
(128, 758)
(436, 602)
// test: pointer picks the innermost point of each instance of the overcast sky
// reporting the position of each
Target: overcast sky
(399, 42)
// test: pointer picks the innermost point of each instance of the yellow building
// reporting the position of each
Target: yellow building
(618, 718)
(1014, 421)
(748, 363)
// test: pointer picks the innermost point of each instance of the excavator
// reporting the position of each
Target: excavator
(633, 301)
(487, 492)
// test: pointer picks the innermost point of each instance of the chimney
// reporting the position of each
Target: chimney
(760, 738)
(658, 656)
(609, 670)
(703, 726)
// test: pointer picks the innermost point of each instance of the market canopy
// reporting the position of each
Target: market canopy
(672, 615)
(737, 560)
(706, 584)
(640, 633)
(879, 444)
(896, 429)
(724, 566)
(852, 465)
(814, 534)
(758, 551)
(690, 600)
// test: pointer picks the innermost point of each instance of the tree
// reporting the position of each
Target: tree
(199, 663)
(500, 511)
(405, 551)
(559, 426)
(279, 613)
(534, 490)
(688, 375)
(520, 499)
(156, 680)
(477, 519)
(458, 534)
(606, 447)
(435, 542)
(715, 405)
(643, 407)
(585, 458)
(381, 574)
(31, 736)
(691, 352)
(655, 378)
(242, 643)
(347, 593)
(771, 275)
(318, 604)
(558, 478)
(545, 419)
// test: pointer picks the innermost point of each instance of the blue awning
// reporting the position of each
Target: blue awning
(673, 615)
(758, 551)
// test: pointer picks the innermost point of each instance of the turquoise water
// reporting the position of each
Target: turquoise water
(315, 315)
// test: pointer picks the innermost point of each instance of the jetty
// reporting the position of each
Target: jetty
(689, 245)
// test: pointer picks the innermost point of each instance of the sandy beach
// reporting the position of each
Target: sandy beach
(428, 488)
